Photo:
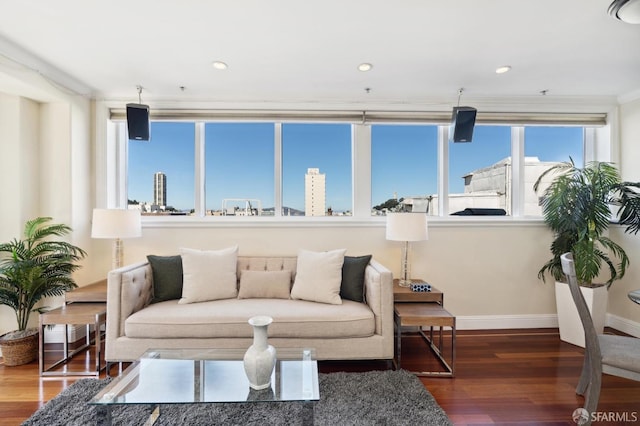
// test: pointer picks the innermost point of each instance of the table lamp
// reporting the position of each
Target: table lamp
(406, 227)
(116, 224)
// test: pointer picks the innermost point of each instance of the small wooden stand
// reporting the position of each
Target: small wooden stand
(75, 313)
(424, 309)
(94, 292)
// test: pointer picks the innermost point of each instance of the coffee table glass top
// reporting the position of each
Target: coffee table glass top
(189, 376)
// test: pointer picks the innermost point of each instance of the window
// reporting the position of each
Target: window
(545, 147)
(316, 170)
(239, 169)
(246, 168)
(404, 168)
(480, 171)
(160, 173)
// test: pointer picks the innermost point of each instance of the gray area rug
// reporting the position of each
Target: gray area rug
(371, 398)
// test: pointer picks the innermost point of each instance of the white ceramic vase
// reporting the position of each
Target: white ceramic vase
(260, 358)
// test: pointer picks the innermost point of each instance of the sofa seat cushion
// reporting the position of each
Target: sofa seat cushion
(228, 318)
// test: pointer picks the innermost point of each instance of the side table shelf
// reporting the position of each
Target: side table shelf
(94, 292)
(404, 294)
(424, 309)
(74, 313)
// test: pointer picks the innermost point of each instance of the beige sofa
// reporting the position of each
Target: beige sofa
(350, 330)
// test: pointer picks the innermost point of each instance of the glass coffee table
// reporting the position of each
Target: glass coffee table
(203, 376)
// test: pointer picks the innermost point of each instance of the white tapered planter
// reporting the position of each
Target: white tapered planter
(569, 323)
(260, 358)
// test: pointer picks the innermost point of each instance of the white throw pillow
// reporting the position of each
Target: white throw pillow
(209, 274)
(318, 276)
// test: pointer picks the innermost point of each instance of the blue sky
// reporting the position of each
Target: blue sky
(239, 160)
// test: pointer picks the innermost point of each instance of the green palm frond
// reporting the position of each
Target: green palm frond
(36, 267)
(576, 207)
(629, 202)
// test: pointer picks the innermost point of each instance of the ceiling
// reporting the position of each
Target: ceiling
(283, 51)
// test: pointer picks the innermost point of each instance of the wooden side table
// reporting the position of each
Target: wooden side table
(74, 313)
(94, 292)
(424, 309)
(404, 294)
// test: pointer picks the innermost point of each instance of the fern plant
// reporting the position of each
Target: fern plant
(36, 267)
(576, 207)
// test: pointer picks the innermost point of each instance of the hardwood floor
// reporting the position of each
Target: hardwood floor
(503, 377)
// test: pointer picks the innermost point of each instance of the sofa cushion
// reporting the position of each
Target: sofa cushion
(318, 276)
(265, 263)
(167, 277)
(208, 274)
(352, 286)
(228, 318)
(264, 284)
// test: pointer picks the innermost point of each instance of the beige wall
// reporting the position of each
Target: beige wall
(18, 159)
(619, 303)
(45, 165)
(485, 269)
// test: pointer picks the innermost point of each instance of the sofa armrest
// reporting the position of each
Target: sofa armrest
(129, 289)
(378, 288)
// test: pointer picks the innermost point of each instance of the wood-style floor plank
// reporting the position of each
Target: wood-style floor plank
(503, 377)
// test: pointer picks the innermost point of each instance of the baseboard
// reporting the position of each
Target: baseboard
(495, 322)
(623, 324)
(468, 322)
(55, 334)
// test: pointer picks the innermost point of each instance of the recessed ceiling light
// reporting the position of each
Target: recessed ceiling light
(503, 69)
(626, 10)
(219, 65)
(365, 67)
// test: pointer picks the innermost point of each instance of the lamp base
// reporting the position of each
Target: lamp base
(404, 283)
(405, 267)
(116, 254)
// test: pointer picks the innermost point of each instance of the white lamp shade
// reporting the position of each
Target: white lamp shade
(407, 227)
(116, 223)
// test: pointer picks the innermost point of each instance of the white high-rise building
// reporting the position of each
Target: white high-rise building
(160, 189)
(314, 193)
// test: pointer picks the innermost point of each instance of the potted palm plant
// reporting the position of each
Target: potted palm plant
(578, 206)
(31, 269)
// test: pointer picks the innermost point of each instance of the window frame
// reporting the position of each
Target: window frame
(115, 173)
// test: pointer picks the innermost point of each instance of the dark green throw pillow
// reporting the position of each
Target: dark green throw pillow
(167, 277)
(352, 286)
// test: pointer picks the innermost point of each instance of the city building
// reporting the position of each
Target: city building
(241, 207)
(314, 193)
(489, 188)
(160, 189)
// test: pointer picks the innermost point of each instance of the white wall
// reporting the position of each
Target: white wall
(488, 272)
(46, 170)
(483, 269)
(19, 157)
(19, 148)
(619, 303)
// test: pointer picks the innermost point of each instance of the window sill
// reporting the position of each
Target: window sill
(330, 222)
